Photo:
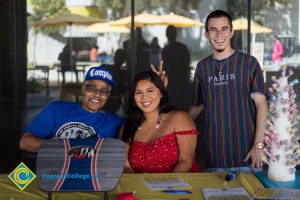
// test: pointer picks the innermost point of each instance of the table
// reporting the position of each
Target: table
(263, 177)
(81, 67)
(133, 182)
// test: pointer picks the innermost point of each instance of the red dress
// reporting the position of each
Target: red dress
(158, 156)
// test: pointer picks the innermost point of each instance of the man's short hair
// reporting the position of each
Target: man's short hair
(171, 32)
(218, 14)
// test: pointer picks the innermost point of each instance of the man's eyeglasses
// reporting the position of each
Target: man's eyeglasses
(94, 90)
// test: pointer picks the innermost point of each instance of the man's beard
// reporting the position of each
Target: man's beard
(220, 50)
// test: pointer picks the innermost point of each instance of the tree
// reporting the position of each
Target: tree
(238, 8)
(121, 8)
(43, 9)
(272, 3)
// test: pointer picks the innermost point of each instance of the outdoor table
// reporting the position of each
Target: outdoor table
(133, 182)
(81, 68)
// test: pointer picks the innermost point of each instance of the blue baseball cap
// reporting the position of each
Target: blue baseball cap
(100, 73)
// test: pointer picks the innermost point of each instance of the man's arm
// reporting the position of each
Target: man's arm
(195, 111)
(261, 116)
(30, 142)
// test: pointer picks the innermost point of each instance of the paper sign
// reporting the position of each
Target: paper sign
(225, 193)
(277, 193)
(165, 183)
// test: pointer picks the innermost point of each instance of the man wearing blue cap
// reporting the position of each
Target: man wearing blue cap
(76, 120)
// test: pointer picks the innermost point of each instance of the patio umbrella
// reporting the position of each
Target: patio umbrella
(68, 19)
(242, 24)
(106, 28)
(179, 21)
(150, 19)
(139, 20)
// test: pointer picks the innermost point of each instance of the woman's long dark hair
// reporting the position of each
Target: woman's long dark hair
(135, 114)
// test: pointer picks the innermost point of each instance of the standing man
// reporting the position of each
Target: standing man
(67, 62)
(229, 87)
(176, 59)
(76, 120)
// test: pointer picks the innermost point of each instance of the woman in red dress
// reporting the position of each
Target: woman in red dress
(159, 138)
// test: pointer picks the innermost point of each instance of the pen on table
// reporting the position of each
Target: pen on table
(177, 191)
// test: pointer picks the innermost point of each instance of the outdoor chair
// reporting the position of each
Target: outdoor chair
(44, 79)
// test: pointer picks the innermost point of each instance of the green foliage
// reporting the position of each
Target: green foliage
(155, 3)
(121, 8)
(259, 14)
(43, 9)
(180, 7)
(272, 3)
(31, 65)
(34, 84)
(238, 8)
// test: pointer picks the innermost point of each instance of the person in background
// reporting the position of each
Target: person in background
(94, 53)
(277, 52)
(120, 72)
(67, 62)
(84, 119)
(142, 55)
(155, 52)
(159, 138)
(229, 87)
(176, 58)
(142, 51)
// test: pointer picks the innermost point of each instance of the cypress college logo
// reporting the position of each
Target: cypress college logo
(22, 176)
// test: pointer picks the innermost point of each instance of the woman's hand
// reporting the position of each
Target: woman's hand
(161, 73)
(255, 155)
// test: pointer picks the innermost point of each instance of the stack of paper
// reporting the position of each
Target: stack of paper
(278, 194)
(225, 193)
(165, 183)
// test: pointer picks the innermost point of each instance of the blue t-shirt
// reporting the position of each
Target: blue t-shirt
(69, 120)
